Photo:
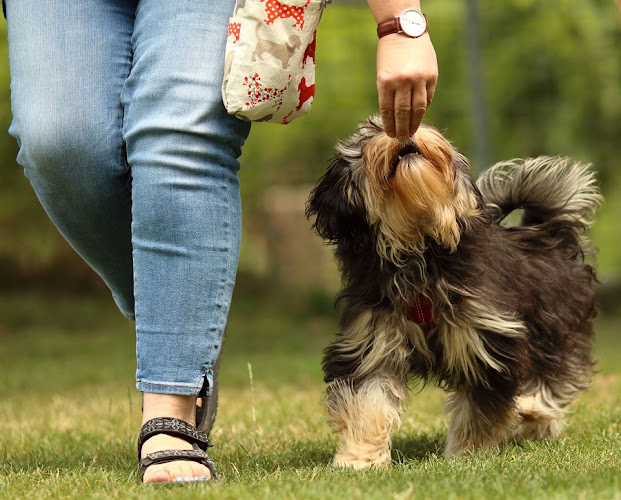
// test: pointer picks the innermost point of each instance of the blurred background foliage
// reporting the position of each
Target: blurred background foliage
(550, 76)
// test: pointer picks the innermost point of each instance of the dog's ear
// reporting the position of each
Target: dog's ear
(336, 205)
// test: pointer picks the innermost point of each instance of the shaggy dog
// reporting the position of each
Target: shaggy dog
(436, 288)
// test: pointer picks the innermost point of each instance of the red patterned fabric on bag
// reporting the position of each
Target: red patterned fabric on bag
(276, 10)
(269, 72)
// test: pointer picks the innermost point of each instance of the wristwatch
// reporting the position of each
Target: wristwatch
(410, 22)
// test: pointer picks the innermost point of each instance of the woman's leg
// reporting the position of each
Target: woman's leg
(186, 216)
(186, 222)
(69, 62)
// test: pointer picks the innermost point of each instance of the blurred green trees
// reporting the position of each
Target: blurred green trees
(551, 72)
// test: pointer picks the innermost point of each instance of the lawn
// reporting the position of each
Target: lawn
(71, 414)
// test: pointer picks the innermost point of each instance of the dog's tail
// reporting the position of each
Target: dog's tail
(554, 190)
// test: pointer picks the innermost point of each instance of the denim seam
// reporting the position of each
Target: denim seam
(229, 258)
(166, 384)
(222, 287)
(223, 283)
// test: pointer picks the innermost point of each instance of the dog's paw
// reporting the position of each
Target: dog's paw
(347, 460)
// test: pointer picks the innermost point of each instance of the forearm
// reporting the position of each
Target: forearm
(385, 9)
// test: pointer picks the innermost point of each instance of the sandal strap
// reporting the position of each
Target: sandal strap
(165, 456)
(172, 427)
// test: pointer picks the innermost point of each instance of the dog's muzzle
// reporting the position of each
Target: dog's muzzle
(407, 149)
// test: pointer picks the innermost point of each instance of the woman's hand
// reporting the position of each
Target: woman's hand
(407, 72)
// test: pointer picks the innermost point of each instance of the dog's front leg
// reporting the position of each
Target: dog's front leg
(482, 408)
(477, 426)
(367, 367)
(364, 414)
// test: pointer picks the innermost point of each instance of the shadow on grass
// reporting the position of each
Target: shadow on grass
(309, 454)
(418, 447)
(271, 457)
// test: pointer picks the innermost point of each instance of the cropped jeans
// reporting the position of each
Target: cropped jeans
(123, 135)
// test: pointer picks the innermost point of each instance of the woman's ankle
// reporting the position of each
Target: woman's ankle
(168, 405)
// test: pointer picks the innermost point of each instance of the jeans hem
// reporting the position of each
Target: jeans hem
(164, 388)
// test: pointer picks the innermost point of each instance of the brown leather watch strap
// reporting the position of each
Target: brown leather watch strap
(388, 27)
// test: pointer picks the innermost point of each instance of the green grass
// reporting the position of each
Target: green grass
(70, 415)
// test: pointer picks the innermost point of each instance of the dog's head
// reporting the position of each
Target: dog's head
(396, 195)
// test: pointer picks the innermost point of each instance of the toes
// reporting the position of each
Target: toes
(201, 472)
(156, 474)
(179, 471)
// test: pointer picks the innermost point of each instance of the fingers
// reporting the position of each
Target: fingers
(407, 73)
(402, 109)
(419, 108)
(387, 109)
(431, 90)
(404, 112)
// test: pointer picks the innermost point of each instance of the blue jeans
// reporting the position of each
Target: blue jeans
(123, 135)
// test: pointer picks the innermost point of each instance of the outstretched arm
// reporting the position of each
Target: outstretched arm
(407, 72)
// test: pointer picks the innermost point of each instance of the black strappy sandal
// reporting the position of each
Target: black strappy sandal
(177, 428)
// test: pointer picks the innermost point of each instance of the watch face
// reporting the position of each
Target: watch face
(413, 23)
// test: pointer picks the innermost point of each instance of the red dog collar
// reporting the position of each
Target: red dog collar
(421, 312)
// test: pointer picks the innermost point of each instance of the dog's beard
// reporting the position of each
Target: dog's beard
(412, 192)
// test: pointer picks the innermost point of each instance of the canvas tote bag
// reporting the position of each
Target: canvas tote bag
(269, 71)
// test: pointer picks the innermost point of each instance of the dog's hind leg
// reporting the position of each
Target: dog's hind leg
(543, 400)
(558, 375)
(367, 367)
(542, 416)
